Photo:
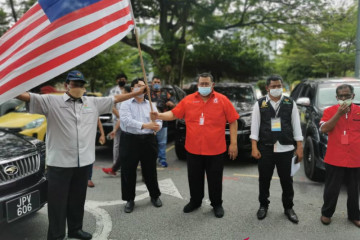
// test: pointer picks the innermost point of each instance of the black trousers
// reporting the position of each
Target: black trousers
(135, 148)
(117, 163)
(334, 178)
(266, 164)
(213, 166)
(66, 199)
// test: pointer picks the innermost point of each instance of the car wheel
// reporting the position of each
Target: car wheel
(311, 171)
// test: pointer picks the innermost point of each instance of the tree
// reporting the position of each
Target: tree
(326, 49)
(4, 24)
(181, 22)
(227, 57)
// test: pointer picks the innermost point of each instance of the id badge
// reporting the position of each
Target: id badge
(275, 125)
(201, 120)
(345, 139)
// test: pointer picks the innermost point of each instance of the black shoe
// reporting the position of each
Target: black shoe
(80, 234)
(156, 202)
(190, 207)
(219, 211)
(129, 207)
(261, 213)
(290, 213)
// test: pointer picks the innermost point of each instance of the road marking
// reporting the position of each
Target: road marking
(250, 176)
(103, 219)
(169, 148)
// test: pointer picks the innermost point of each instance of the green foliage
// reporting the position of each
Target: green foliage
(229, 58)
(4, 24)
(262, 86)
(326, 49)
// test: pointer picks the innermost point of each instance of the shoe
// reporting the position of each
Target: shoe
(325, 220)
(109, 171)
(129, 207)
(355, 222)
(190, 207)
(80, 234)
(290, 213)
(91, 184)
(163, 163)
(261, 213)
(219, 211)
(156, 202)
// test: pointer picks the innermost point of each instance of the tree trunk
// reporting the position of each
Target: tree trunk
(11, 3)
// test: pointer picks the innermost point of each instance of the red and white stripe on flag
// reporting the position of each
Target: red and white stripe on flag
(38, 48)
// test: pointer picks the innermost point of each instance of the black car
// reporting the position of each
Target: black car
(243, 97)
(177, 93)
(23, 185)
(312, 97)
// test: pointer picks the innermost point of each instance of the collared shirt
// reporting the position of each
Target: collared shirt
(71, 127)
(343, 155)
(207, 138)
(134, 114)
(295, 123)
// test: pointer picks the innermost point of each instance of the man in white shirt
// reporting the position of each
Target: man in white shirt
(275, 127)
(121, 80)
(138, 144)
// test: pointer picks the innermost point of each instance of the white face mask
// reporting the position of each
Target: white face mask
(276, 92)
(76, 92)
(347, 102)
(136, 89)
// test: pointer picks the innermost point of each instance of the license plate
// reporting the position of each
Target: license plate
(22, 206)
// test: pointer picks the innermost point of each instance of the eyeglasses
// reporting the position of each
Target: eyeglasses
(345, 96)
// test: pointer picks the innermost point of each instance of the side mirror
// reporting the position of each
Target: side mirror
(303, 101)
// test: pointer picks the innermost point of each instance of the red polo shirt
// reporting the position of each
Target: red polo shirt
(209, 138)
(343, 155)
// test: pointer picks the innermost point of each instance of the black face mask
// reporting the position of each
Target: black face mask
(122, 83)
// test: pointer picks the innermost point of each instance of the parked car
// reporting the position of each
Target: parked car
(243, 97)
(23, 185)
(312, 98)
(21, 121)
(9, 106)
(178, 94)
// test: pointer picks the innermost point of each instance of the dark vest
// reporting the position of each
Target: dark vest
(285, 136)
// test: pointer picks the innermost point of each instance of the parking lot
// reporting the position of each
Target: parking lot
(105, 217)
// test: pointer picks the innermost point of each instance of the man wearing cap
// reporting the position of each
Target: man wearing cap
(70, 147)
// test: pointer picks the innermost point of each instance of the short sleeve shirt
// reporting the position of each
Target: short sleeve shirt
(338, 154)
(71, 127)
(207, 138)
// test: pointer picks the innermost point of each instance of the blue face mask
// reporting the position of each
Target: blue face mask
(157, 86)
(204, 91)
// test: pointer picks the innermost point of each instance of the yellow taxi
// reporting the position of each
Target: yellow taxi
(25, 123)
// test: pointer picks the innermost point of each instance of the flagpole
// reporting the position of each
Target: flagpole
(141, 60)
(142, 66)
(140, 54)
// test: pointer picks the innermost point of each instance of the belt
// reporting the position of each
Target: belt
(146, 135)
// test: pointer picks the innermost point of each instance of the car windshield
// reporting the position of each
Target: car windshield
(21, 108)
(237, 93)
(327, 94)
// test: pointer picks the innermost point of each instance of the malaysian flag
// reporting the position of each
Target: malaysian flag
(55, 36)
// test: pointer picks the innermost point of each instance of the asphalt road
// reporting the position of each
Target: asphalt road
(105, 217)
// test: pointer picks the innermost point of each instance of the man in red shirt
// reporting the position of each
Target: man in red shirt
(342, 124)
(205, 113)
